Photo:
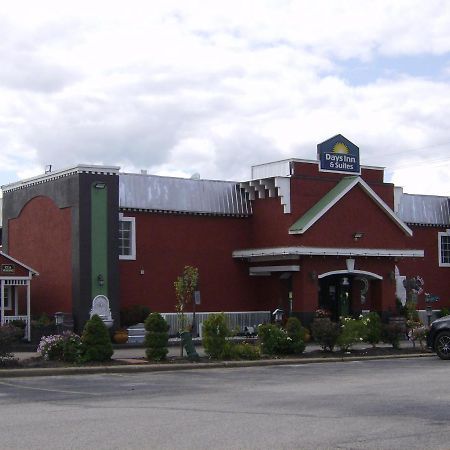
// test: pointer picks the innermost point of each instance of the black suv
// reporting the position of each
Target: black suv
(439, 337)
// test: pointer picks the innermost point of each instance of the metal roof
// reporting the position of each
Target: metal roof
(158, 193)
(424, 209)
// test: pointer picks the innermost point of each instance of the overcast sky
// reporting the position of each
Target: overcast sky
(213, 87)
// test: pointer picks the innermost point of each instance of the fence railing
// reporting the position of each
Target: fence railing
(9, 319)
(237, 321)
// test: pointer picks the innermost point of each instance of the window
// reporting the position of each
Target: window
(444, 248)
(7, 297)
(127, 237)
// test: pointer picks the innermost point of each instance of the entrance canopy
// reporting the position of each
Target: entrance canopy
(277, 253)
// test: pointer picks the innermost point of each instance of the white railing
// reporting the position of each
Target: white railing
(9, 319)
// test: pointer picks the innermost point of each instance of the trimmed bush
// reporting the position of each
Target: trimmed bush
(277, 341)
(242, 350)
(351, 332)
(272, 338)
(96, 343)
(325, 333)
(61, 347)
(215, 332)
(372, 325)
(157, 337)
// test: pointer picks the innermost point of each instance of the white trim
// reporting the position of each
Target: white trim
(440, 236)
(358, 180)
(353, 272)
(270, 269)
(43, 178)
(132, 220)
(326, 251)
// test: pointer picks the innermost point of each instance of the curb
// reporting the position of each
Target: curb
(130, 368)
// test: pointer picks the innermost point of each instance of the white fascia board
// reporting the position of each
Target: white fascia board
(263, 269)
(327, 251)
(385, 207)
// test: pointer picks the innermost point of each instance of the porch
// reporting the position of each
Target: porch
(15, 296)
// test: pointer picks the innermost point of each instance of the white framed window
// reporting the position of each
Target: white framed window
(7, 297)
(444, 248)
(127, 237)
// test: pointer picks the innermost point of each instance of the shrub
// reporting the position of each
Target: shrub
(131, 315)
(61, 347)
(351, 332)
(272, 338)
(391, 333)
(96, 343)
(325, 333)
(215, 332)
(372, 323)
(157, 337)
(241, 351)
(8, 334)
(276, 341)
(444, 312)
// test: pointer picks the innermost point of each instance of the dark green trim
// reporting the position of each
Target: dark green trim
(99, 238)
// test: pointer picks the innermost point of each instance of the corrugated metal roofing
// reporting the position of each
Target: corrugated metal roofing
(424, 209)
(151, 192)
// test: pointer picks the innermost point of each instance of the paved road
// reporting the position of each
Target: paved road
(370, 404)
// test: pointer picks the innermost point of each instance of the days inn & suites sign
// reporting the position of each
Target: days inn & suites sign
(338, 154)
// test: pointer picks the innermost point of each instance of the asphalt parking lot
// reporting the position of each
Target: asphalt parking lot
(366, 404)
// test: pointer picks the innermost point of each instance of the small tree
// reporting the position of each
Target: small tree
(157, 337)
(185, 286)
(96, 341)
(215, 331)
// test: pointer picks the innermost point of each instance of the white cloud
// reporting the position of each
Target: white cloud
(213, 87)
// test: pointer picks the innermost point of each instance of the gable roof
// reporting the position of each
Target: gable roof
(333, 196)
(33, 272)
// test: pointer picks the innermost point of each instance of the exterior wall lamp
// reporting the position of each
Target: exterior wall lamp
(100, 280)
(357, 235)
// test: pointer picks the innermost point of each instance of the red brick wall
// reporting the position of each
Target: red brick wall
(168, 242)
(437, 279)
(355, 212)
(40, 237)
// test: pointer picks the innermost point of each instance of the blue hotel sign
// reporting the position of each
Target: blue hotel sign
(338, 154)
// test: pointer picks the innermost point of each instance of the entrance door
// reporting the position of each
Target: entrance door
(335, 296)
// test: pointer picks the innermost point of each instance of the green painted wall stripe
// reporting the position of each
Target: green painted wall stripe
(99, 239)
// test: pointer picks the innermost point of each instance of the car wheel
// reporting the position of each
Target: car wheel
(442, 345)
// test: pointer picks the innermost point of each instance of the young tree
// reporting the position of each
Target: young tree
(185, 286)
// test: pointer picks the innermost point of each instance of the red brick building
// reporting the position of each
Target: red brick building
(298, 235)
